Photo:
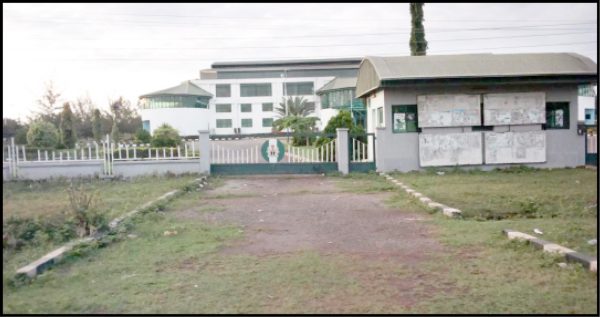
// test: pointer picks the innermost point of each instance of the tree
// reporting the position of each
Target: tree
(114, 132)
(47, 105)
(10, 127)
(83, 111)
(418, 44)
(296, 106)
(143, 136)
(166, 135)
(342, 120)
(42, 134)
(299, 125)
(67, 130)
(97, 125)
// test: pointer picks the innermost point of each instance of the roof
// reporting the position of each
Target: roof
(290, 62)
(338, 83)
(186, 88)
(411, 68)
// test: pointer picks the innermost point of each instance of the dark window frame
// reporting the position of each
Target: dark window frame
(406, 109)
(552, 107)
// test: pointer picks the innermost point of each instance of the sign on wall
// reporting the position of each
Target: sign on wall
(449, 149)
(514, 108)
(449, 110)
(515, 147)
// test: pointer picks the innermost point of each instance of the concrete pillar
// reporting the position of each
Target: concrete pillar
(204, 147)
(342, 151)
(379, 148)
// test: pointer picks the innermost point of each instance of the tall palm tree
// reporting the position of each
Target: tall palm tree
(296, 106)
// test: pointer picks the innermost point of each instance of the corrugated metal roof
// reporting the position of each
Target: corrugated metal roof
(470, 66)
(187, 88)
(481, 65)
(279, 63)
(338, 83)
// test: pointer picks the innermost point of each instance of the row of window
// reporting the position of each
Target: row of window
(245, 123)
(265, 89)
(174, 102)
(245, 107)
(405, 118)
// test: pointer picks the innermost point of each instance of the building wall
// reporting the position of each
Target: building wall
(400, 151)
(187, 120)
(257, 114)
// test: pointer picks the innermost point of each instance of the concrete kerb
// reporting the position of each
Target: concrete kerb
(428, 202)
(38, 266)
(570, 255)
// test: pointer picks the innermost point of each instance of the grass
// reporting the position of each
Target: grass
(478, 272)
(39, 199)
(561, 202)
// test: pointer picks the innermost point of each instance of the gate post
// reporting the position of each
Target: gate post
(342, 155)
(204, 147)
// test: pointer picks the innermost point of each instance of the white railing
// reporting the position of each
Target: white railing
(324, 153)
(89, 152)
(360, 151)
(137, 152)
(224, 155)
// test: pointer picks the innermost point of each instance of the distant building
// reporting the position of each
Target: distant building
(241, 97)
(476, 110)
(587, 104)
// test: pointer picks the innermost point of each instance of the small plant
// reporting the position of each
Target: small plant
(143, 136)
(82, 207)
(166, 135)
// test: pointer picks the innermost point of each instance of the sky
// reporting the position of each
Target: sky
(104, 51)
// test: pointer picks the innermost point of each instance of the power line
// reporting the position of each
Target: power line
(274, 58)
(288, 46)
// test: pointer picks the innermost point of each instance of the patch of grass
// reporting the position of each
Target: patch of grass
(560, 202)
(363, 183)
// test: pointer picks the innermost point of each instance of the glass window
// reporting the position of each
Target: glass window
(404, 119)
(146, 125)
(325, 101)
(255, 90)
(302, 88)
(267, 106)
(557, 115)
(380, 117)
(223, 123)
(223, 107)
(267, 122)
(223, 90)
(246, 107)
(246, 123)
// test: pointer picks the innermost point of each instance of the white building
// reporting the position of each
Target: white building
(242, 97)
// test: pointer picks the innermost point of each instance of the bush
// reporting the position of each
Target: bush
(42, 134)
(143, 136)
(166, 135)
(88, 219)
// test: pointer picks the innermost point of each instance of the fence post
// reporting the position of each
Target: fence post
(204, 148)
(342, 154)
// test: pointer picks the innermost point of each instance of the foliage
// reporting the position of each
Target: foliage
(20, 232)
(83, 210)
(42, 134)
(298, 125)
(297, 106)
(165, 135)
(47, 105)
(114, 132)
(418, 44)
(97, 125)
(83, 110)
(10, 127)
(143, 136)
(67, 131)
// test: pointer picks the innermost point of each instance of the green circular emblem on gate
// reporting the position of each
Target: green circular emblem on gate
(272, 150)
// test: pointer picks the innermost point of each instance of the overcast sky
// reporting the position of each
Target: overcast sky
(108, 50)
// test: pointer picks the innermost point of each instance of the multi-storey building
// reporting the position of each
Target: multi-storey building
(243, 97)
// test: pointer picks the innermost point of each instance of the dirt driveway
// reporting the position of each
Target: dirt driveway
(282, 214)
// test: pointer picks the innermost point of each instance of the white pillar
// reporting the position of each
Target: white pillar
(204, 148)
(342, 151)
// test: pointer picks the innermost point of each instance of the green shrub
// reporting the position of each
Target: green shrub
(83, 211)
(42, 134)
(166, 135)
(143, 136)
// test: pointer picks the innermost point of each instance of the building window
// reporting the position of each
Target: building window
(255, 90)
(223, 107)
(380, 117)
(223, 90)
(268, 106)
(223, 123)
(267, 122)
(246, 123)
(157, 102)
(302, 88)
(146, 125)
(404, 119)
(246, 107)
(557, 115)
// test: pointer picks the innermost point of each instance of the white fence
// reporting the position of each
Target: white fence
(324, 153)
